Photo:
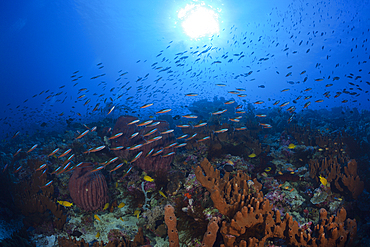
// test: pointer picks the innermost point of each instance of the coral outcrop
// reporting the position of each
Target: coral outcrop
(229, 195)
(240, 142)
(36, 201)
(88, 189)
(351, 180)
(337, 176)
(171, 221)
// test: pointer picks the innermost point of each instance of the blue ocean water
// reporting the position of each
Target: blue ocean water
(43, 43)
(65, 64)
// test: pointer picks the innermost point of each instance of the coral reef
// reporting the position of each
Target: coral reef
(256, 187)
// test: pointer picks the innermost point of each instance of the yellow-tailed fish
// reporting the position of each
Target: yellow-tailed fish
(121, 205)
(97, 235)
(323, 181)
(137, 213)
(106, 206)
(96, 217)
(65, 203)
(252, 155)
(291, 146)
(149, 179)
(162, 194)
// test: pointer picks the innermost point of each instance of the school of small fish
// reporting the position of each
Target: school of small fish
(237, 71)
(175, 79)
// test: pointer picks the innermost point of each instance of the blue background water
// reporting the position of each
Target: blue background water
(43, 42)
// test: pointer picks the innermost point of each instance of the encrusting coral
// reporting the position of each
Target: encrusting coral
(139, 240)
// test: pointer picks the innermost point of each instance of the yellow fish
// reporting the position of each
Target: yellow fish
(97, 235)
(268, 169)
(149, 179)
(121, 205)
(106, 206)
(291, 146)
(252, 155)
(116, 184)
(137, 213)
(65, 203)
(121, 218)
(96, 217)
(323, 181)
(162, 194)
